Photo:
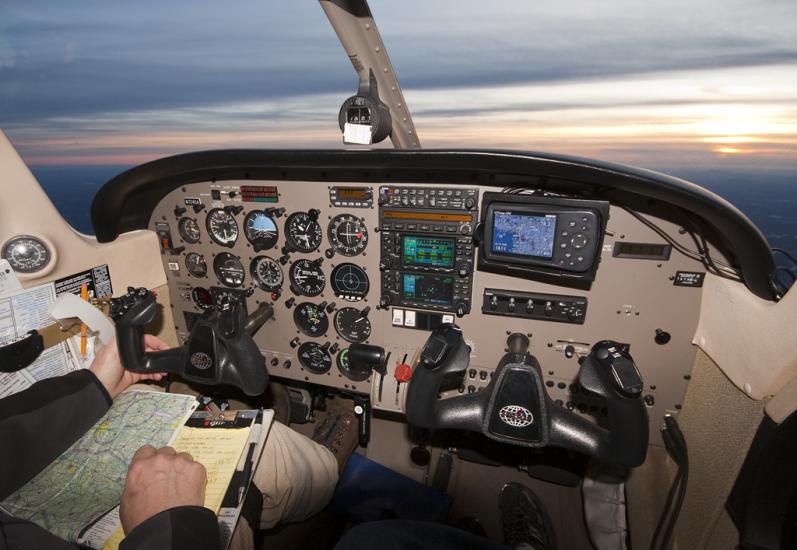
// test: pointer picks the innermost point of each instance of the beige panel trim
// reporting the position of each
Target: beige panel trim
(134, 258)
(749, 338)
(780, 407)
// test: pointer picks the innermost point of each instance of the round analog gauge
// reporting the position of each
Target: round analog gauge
(202, 298)
(26, 254)
(350, 282)
(222, 227)
(266, 273)
(195, 264)
(357, 375)
(311, 319)
(224, 297)
(307, 277)
(352, 324)
(260, 230)
(347, 234)
(189, 230)
(228, 269)
(302, 231)
(314, 357)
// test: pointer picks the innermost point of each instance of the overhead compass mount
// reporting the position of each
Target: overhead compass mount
(379, 97)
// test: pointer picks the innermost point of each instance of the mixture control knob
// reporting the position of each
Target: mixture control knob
(384, 301)
(470, 202)
(403, 373)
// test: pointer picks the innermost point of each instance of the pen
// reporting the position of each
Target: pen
(84, 295)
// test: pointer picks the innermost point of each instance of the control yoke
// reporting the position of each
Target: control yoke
(219, 350)
(515, 408)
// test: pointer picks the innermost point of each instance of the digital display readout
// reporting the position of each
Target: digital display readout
(522, 234)
(428, 289)
(353, 193)
(259, 193)
(428, 251)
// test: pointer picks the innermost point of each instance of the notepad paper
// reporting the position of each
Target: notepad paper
(218, 450)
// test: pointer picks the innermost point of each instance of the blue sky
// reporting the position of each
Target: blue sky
(708, 84)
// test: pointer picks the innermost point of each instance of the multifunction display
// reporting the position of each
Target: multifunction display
(523, 234)
(428, 289)
(553, 236)
(427, 250)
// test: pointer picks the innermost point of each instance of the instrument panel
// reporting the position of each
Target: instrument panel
(383, 264)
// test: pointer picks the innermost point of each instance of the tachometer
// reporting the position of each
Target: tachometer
(228, 269)
(195, 264)
(307, 277)
(302, 230)
(347, 234)
(26, 254)
(222, 227)
(189, 230)
(266, 273)
(352, 324)
(350, 282)
(315, 357)
(260, 230)
(311, 319)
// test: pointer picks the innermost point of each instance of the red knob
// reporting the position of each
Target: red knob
(403, 373)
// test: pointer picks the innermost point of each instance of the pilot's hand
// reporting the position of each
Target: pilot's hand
(158, 480)
(107, 366)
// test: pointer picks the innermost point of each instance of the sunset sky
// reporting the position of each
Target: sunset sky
(709, 84)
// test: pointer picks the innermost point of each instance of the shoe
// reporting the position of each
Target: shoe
(524, 520)
(338, 433)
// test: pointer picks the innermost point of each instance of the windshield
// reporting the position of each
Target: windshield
(704, 91)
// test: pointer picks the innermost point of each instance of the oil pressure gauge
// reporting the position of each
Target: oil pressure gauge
(26, 254)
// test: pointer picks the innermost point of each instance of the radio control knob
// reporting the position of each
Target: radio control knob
(461, 309)
(384, 264)
(463, 269)
(384, 301)
(470, 202)
(383, 199)
(465, 229)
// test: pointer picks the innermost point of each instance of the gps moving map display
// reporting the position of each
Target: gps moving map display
(523, 234)
(428, 289)
(428, 251)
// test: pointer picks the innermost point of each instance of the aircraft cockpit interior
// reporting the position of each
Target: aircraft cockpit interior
(488, 316)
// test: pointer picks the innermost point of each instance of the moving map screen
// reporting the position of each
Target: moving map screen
(428, 289)
(522, 234)
(428, 251)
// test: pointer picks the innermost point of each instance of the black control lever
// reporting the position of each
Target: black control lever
(219, 350)
(515, 408)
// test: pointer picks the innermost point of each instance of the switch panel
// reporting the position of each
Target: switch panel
(533, 305)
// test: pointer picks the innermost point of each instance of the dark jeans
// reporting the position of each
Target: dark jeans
(411, 535)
